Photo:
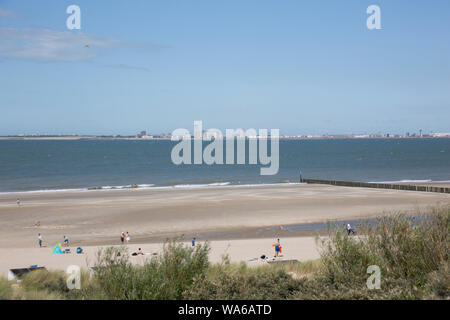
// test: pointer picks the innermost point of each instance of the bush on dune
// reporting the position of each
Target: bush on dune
(240, 282)
(37, 294)
(164, 277)
(44, 280)
(6, 291)
(44, 284)
(412, 255)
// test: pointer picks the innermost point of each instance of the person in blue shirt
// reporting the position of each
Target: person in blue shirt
(349, 229)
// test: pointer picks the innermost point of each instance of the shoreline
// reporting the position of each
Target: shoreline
(142, 187)
(223, 184)
(286, 137)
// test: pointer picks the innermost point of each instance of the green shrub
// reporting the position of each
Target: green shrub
(164, 277)
(52, 281)
(53, 285)
(411, 253)
(439, 282)
(6, 291)
(37, 294)
(239, 282)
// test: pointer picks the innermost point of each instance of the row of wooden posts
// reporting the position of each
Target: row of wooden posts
(378, 185)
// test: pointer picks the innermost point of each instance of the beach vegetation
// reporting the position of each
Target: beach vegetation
(6, 290)
(165, 276)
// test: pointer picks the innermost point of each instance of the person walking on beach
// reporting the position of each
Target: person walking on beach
(128, 237)
(193, 242)
(122, 237)
(350, 229)
(40, 240)
(18, 202)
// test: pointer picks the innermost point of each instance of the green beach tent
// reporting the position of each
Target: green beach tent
(57, 249)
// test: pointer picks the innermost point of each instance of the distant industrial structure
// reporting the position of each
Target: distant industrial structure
(144, 135)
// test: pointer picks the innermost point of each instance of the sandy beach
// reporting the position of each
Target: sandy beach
(96, 218)
(247, 250)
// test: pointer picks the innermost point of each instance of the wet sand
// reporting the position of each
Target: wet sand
(98, 217)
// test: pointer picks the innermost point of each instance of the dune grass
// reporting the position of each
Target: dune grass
(6, 290)
(413, 256)
(165, 276)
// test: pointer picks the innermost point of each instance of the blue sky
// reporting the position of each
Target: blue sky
(300, 66)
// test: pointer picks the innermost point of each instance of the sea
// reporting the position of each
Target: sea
(90, 165)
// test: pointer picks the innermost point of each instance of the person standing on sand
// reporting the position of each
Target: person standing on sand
(40, 240)
(122, 237)
(277, 246)
(18, 202)
(66, 241)
(193, 242)
(128, 237)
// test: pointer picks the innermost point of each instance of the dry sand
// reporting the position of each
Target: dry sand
(94, 218)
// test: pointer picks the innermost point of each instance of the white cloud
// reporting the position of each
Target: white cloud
(50, 45)
(7, 14)
(126, 66)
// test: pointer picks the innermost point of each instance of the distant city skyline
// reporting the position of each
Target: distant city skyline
(204, 133)
(144, 132)
(304, 67)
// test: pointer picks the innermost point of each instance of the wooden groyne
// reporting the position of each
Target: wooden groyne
(378, 185)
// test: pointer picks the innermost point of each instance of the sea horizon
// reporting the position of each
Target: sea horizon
(80, 165)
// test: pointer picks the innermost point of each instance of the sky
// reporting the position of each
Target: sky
(304, 67)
